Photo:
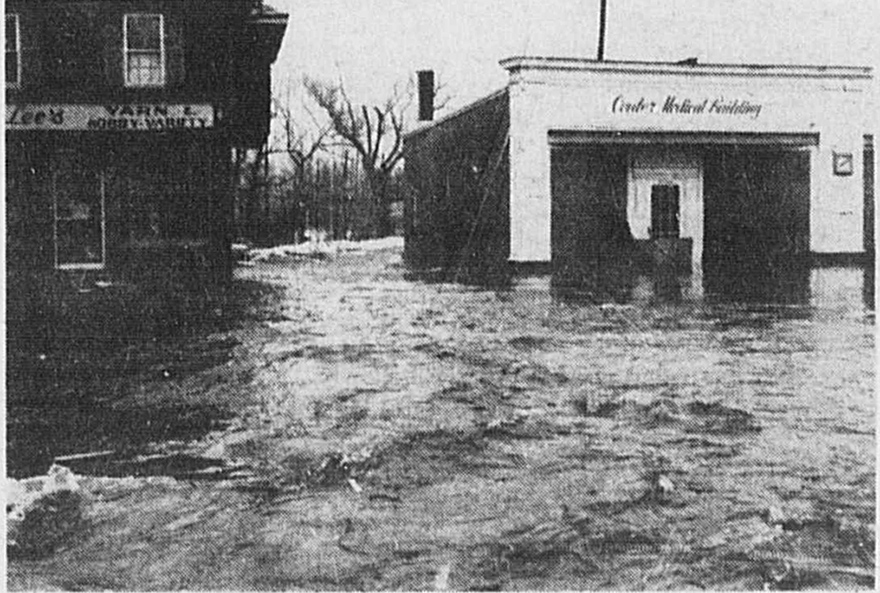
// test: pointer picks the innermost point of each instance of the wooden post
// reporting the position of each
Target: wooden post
(603, 6)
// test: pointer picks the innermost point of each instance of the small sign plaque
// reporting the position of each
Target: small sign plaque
(843, 163)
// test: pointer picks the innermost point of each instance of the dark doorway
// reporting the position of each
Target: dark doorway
(592, 246)
(664, 211)
(756, 217)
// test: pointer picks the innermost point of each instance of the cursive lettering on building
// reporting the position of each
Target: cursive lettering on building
(671, 105)
(622, 105)
(674, 105)
(735, 107)
(25, 116)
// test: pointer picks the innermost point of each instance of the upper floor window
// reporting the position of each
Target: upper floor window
(144, 50)
(13, 51)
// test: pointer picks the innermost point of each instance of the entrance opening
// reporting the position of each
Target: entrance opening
(756, 217)
(716, 214)
(664, 212)
(78, 192)
(592, 245)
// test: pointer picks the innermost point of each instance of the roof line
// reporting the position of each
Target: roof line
(554, 62)
(430, 125)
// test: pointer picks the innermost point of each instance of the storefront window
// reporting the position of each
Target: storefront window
(144, 50)
(79, 217)
(13, 51)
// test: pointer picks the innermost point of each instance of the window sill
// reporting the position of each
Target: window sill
(69, 267)
(161, 85)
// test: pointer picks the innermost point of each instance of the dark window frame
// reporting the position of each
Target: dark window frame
(16, 83)
(127, 52)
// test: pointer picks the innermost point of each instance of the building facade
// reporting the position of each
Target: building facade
(121, 119)
(703, 163)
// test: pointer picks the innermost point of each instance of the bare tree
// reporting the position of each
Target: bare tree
(375, 132)
(299, 146)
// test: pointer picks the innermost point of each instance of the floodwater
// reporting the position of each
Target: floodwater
(367, 430)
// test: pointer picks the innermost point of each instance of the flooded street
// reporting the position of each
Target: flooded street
(361, 429)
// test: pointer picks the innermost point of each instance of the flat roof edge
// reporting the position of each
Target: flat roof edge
(433, 124)
(561, 138)
(781, 70)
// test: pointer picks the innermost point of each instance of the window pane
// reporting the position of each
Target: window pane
(144, 68)
(144, 32)
(79, 232)
(11, 33)
(11, 67)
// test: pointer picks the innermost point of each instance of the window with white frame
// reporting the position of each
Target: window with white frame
(13, 51)
(144, 50)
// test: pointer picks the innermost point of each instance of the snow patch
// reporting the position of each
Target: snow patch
(319, 246)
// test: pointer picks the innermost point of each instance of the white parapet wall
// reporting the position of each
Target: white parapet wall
(710, 103)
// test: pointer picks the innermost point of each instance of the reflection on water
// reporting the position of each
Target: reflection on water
(842, 287)
(785, 283)
(849, 288)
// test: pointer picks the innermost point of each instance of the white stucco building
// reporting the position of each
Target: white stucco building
(714, 158)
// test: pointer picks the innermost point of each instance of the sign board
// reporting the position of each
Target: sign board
(124, 117)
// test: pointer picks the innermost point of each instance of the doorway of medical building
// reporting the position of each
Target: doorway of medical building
(757, 223)
(668, 248)
(591, 242)
(664, 209)
(79, 218)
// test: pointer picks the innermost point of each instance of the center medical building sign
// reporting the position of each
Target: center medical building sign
(674, 104)
(112, 117)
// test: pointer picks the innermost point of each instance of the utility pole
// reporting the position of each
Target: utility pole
(603, 6)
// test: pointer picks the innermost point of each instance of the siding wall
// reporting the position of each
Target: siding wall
(73, 51)
(458, 189)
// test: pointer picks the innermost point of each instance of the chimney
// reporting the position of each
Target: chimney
(426, 95)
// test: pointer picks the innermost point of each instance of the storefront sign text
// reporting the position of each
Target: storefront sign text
(115, 117)
(674, 105)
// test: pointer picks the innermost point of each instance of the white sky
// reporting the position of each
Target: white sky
(374, 43)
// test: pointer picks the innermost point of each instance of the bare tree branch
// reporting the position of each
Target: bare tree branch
(298, 146)
(366, 129)
(369, 135)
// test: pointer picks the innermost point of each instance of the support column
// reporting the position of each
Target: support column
(529, 182)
